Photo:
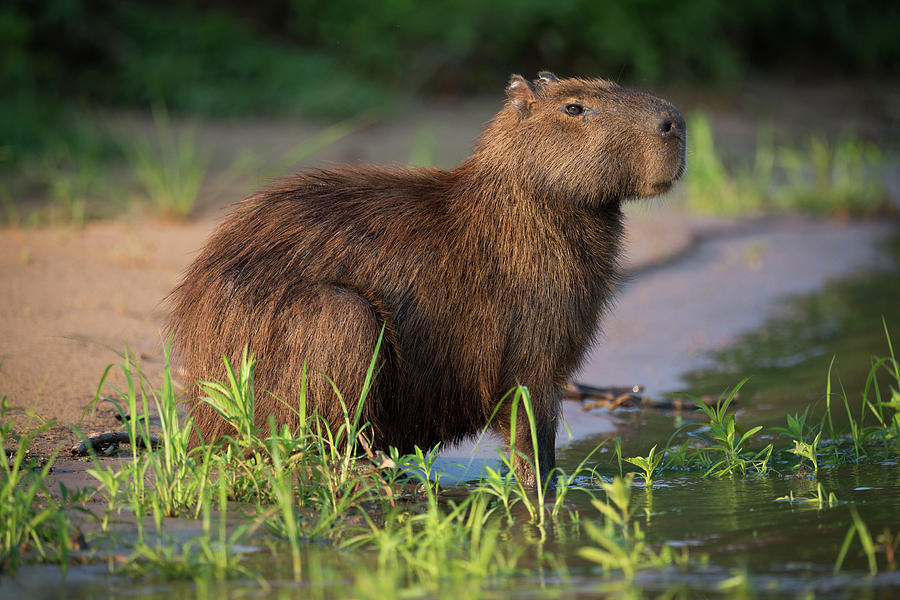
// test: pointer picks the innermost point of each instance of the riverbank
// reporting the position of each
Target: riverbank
(75, 297)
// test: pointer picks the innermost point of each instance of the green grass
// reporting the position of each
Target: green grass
(172, 481)
(34, 526)
(69, 184)
(620, 543)
(162, 174)
(820, 498)
(722, 450)
(720, 447)
(322, 505)
(312, 484)
(647, 464)
(170, 170)
(842, 177)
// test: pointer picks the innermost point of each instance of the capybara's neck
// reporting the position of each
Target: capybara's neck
(545, 235)
(499, 185)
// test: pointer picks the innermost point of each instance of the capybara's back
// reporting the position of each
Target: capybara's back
(475, 279)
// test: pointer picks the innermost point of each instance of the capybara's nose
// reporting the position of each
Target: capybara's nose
(671, 124)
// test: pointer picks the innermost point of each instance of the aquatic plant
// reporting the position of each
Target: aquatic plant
(821, 499)
(725, 452)
(210, 555)
(173, 479)
(647, 464)
(808, 450)
(30, 518)
(858, 529)
(377, 522)
(437, 547)
(621, 545)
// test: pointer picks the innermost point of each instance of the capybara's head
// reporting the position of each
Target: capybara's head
(588, 140)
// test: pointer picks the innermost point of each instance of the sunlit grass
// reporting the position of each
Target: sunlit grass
(162, 173)
(72, 180)
(842, 177)
(720, 447)
(32, 524)
(169, 170)
(620, 543)
(647, 464)
(391, 526)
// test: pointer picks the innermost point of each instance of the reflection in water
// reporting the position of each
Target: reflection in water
(789, 547)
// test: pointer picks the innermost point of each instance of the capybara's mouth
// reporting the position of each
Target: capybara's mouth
(666, 184)
(661, 187)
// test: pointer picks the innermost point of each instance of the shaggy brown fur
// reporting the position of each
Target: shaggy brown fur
(485, 276)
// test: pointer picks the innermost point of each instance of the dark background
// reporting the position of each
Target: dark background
(336, 58)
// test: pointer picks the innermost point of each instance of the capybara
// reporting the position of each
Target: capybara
(477, 278)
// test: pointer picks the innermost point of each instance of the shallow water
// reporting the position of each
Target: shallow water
(744, 538)
(786, 549)
(665, 321)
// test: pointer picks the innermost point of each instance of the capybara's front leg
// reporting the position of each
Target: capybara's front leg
(546, 434)
(525, 456)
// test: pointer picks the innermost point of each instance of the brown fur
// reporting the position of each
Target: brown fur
(484, 276)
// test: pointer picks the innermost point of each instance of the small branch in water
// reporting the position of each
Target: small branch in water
(615, 397)
(107, 443)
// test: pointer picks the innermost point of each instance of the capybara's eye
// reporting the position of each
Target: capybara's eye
(574, 109)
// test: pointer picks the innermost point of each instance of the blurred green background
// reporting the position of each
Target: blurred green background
(65, 59)
(338, 57)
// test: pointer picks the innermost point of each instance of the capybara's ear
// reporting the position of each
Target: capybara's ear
(545, 77)
(520, 93)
